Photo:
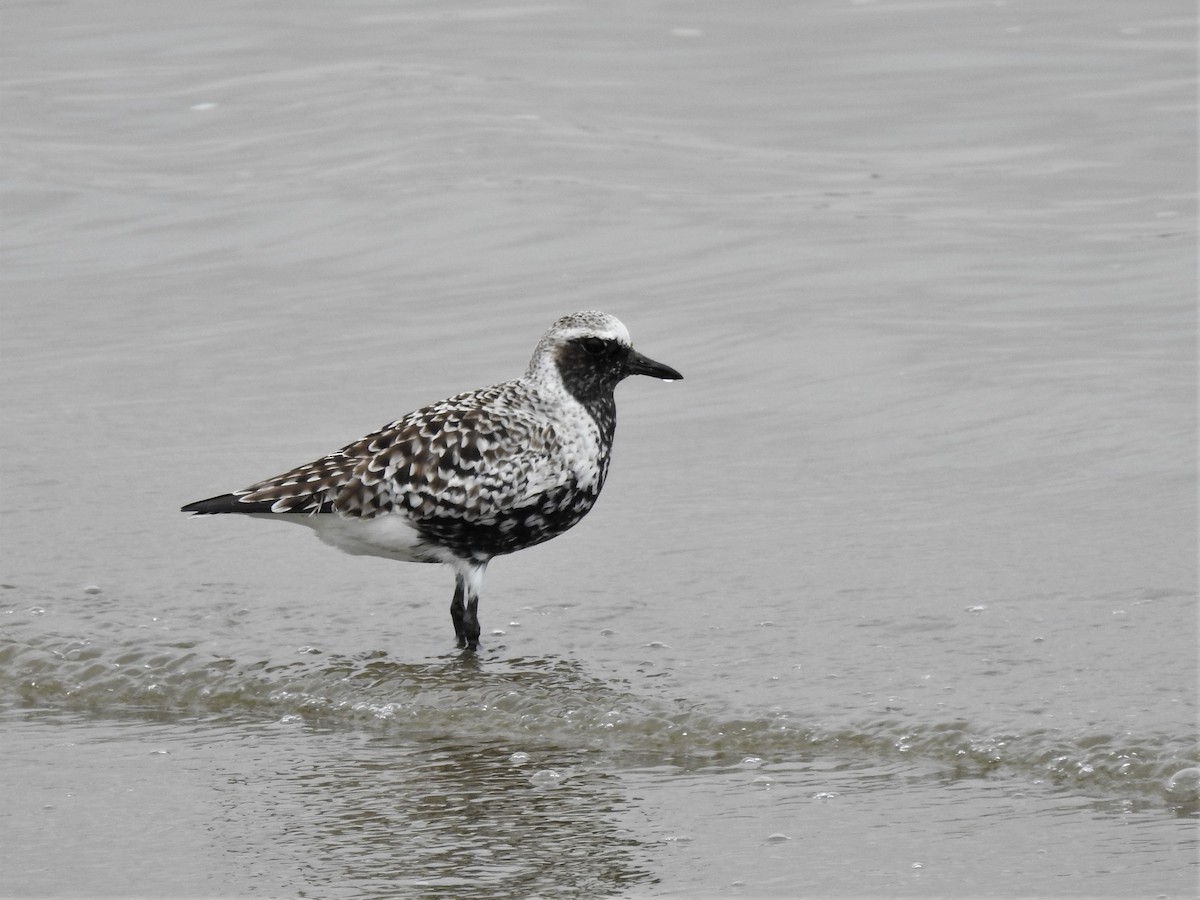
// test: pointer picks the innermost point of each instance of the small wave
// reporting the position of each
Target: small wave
(554, 702)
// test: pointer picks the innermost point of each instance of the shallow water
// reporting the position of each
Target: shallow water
(895, 594)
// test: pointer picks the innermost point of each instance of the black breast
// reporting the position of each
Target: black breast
(548, 516)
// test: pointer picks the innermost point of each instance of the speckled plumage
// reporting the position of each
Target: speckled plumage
(478, 475)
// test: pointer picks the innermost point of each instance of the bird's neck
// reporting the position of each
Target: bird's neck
(594, 394)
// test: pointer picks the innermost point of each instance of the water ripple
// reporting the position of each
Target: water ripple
(540, 702)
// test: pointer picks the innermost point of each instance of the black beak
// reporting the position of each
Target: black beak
(636, 364)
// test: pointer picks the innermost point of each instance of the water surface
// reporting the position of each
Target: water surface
(895, 594)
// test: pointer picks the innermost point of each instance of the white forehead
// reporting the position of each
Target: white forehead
(590, 324)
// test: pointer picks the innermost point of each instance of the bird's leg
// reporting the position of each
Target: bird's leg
(466, 599)
(457, 611)
(471, 622)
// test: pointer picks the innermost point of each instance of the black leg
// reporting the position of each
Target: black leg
(471, 623)
(457, 611)
(465, 608)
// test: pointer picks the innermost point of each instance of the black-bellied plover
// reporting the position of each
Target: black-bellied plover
(479, 475)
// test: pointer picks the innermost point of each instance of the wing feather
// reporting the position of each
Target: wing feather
(475, 457)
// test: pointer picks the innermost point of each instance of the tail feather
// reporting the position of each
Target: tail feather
(226, 503)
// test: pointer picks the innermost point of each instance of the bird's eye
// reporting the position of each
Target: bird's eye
(594, 346)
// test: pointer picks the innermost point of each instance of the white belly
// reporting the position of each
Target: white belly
(389, 536)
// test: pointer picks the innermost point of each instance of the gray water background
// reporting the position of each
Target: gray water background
(894, 595)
